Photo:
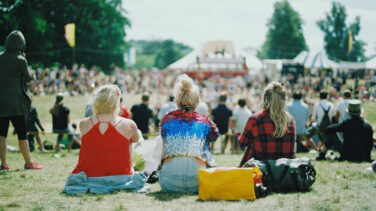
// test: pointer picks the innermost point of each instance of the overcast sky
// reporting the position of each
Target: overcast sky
(194, 22)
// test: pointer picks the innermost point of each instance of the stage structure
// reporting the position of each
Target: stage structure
(217, 58)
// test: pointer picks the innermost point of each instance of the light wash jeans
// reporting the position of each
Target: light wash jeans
(180, 175)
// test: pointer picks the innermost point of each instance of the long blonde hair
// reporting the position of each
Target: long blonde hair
(274, 101)
(186, 93)
(106, 99)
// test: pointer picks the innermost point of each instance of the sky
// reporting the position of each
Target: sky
(195, 22)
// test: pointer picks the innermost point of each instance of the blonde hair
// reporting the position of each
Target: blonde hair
(186, 93)
(106, 99)
(274, 101)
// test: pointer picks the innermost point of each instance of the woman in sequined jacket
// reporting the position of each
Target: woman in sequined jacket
(186, 138)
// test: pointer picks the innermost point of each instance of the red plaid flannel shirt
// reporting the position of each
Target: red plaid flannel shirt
(260, 142)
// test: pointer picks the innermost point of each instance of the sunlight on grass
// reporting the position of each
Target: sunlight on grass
(338, 186)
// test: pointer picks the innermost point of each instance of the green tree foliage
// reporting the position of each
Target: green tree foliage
(157, 53)
(100, 30)
(337, 37)
(285, 37)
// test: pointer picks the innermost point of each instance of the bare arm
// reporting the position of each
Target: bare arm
(134, 130)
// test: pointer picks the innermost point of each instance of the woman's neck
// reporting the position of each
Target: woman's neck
(106, 116)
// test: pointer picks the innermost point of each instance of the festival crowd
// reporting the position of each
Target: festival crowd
(253, 113)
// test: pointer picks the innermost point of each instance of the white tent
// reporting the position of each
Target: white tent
(186, 61)
(252, 62)
(371, 64)
(301, 58)
(319, 60)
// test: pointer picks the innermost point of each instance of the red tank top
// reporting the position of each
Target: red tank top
(104, 154)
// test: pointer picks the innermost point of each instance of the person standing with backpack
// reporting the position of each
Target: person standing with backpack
(322, 113)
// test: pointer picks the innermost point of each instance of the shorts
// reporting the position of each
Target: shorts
(180, 175)
(19, 124)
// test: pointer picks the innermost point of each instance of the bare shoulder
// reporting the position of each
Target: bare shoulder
(126, 127)
(85, 125)
(126, 122)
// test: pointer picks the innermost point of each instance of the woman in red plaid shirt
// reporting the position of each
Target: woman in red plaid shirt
(270, 134)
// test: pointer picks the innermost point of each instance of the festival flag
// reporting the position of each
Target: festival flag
(351, 40)
(70, 34)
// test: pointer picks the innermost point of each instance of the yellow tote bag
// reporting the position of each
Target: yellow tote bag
(228, 183)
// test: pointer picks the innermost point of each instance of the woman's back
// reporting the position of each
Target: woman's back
(105, 151)
(187, 134)
(14, 100)
(262, 144)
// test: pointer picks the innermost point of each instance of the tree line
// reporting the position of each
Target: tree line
(100, 30)
(285, 38)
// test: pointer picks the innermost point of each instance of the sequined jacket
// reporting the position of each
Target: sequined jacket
(188, 134)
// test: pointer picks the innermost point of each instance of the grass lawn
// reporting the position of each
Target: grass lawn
(338, 186)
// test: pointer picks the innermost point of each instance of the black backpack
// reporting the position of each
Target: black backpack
(284, 174)
(325, 122)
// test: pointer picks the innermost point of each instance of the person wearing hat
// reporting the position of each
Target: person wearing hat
(60, 122)
(15, 101)
(357, 133)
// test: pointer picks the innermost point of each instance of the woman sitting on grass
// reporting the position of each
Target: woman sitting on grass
(270, 134)
(186, 136)
(105, 162)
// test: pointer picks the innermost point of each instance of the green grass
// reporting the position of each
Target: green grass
(339, 185)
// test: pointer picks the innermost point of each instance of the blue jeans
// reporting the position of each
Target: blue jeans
(180, 175)
(61, 133)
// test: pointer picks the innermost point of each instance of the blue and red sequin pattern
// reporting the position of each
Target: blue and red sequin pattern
(188, 134)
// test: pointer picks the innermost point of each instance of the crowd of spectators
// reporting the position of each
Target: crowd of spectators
(80, 80)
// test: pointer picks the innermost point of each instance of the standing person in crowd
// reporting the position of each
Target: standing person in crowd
(15, 100)
(357, 133)
(222, 118)
(124, 110)
(186, 136)
(322, 113)
(341, 109)
(32, 119)
(60, 122)
(299, 110)
(270, 134)
(166, 108)
(142, 114)
(202, 108)
(89, 110)
(239, 120)
(105, 162)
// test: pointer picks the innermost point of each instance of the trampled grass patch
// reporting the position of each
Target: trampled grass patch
(338, 186)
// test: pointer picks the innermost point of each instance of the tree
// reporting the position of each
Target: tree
(337, 35)
(285, 37)
(100, 30)
(157, 53)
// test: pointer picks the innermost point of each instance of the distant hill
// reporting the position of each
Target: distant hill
(158, 53)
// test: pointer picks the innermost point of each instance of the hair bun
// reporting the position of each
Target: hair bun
(277, 87)
(186, 85)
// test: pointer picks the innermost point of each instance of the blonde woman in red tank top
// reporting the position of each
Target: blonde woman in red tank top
(105, 159)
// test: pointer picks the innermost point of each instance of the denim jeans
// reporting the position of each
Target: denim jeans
(180, 175)
(61, 133)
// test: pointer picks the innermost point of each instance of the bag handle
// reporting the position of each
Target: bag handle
(269, 170)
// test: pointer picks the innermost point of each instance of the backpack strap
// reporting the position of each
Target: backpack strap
(325, 111)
